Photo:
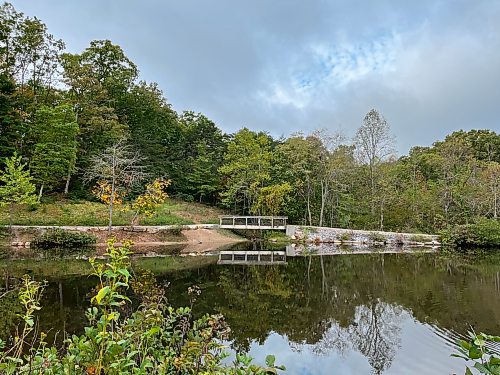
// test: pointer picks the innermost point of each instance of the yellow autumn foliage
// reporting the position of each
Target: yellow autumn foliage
(102, 190)
(153, 197)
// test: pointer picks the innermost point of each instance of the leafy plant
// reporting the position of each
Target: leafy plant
(60, 238)
(16, 186)
(377, 237)
(344, 237)
(153, 198)
(484, 233)
(475, 349)
(154, 339)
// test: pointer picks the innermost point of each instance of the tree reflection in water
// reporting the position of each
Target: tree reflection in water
(324, 304)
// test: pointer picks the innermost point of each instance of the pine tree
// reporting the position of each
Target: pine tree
(16, 187)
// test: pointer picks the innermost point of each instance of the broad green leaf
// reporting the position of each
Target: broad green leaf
(102, 293)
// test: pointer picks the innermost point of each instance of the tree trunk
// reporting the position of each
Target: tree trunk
(372, 181)
(111, 201)
(40, 193)
(495, 204)
(324, 193)
(11, 209)
(66, 187)
(382, 215)
(309, 203)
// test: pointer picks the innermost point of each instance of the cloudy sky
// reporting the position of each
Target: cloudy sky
(429, 66)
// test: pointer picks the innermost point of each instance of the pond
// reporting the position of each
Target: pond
(398, 313)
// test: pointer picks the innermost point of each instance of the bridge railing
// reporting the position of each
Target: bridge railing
(253, 222)
(252, 257)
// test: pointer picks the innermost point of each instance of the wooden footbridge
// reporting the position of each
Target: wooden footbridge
(253, 222)
(252, 257)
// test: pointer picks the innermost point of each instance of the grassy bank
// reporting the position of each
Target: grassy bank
(67, 212)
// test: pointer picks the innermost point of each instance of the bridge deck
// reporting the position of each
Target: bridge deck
(252, 257)
(253, 222)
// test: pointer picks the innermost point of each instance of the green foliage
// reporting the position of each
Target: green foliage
(272, 199)
(54, 153)
(16, 187)
(475, 349)
(60, 238)
(377, 237)
(315, 179)
(419, 238)
(484, 233)
(154, 339)
(345, 237)
(246, 168)
(12, 128)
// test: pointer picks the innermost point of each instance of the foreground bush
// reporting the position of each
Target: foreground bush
(484, 233)
(59, 238)
(154, 339)
(476, 349)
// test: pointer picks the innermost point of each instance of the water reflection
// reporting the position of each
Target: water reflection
(350, 314)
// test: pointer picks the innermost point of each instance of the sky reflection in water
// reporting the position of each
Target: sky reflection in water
(343, 314)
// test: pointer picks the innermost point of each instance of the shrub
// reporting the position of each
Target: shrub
(484, 233)
(377, 237)
(176, 230)
(154, 339)
(418, 238)
(60, 238)
(185, 197)
(345, 237)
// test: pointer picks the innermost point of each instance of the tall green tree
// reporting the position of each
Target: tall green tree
(155, 130)
(298, 162)
(16, 186)
(204, 146)
(98, 80)
(246, 169)
(272, 199)
(11, 125)
(54, 135)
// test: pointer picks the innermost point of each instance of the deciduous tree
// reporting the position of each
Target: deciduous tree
(54, 135)
(120, 167)
(374, 144)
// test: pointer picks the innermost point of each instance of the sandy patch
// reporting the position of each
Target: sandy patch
(205, 240)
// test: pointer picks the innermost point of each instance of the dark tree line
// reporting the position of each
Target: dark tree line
(59, 110)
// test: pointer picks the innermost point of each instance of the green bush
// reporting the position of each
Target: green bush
(484, 233)
(377, 237)
(184, 197)
(154, 339)
(60, 238)
(418, 238)
(345, 237)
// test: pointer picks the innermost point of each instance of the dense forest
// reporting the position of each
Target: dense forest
(60, 111)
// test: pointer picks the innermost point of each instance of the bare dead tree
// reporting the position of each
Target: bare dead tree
(374, 143)
(119, 166)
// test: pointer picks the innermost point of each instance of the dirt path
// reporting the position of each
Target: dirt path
(204, 240)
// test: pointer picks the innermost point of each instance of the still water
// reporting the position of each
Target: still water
(329, 314)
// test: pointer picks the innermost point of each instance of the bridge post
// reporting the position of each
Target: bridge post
(233, 220)
(272, 222)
